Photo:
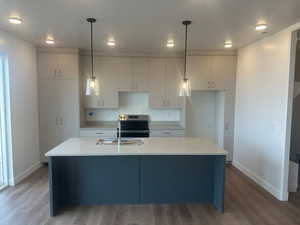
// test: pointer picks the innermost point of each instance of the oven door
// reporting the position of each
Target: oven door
(134, 133)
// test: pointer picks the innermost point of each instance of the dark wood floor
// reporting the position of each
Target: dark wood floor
(245, 204)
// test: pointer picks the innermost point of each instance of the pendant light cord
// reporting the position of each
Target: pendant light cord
(185, 51)
(92, 50)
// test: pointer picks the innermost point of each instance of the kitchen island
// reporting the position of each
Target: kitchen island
(160, 170)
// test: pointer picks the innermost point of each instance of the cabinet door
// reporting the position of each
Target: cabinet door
(47, 66)
(199, 71)
(125, 73)
(140, 74)
(48, 116)
(68, 66)
(107, 73)
(157, 83)
(68, 101)
(98, 133)
(85, 66)
(223, 70)
(173, 78)
(93, 102)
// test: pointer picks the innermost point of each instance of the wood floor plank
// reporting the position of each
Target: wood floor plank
(246, 203)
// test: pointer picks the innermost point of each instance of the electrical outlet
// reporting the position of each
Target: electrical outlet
(91, 114)
(227, 125)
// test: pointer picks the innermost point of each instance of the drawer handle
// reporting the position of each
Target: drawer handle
(167, 132)
(99, 133)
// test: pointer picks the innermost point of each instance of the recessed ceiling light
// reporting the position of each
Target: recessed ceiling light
(261, 26)
(227, 44)
(15, 20)
(111, 43)
(170, 44)
(50, 40)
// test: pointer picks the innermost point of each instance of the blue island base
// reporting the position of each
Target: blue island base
(90, 180)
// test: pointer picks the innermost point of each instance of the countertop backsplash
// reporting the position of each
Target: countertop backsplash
(133, 103)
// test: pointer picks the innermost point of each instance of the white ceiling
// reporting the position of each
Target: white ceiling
(146, 25)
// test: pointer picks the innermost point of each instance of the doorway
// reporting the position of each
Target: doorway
(294, 175)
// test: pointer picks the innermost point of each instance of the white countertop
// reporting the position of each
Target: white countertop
(151, 146)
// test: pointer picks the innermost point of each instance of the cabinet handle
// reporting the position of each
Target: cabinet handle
(99, 133)
(60, 73)
(56, 121)
(98, 102)
(102, 102)
(55, 73)
(61, 121)
(166, 102)
(211, 84)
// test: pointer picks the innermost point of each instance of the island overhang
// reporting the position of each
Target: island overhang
(150, 146)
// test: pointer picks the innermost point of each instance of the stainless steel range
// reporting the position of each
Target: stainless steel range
(131, 125)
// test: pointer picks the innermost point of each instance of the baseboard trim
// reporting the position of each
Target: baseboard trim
(260, 181)
(293, 187)
(17, 179)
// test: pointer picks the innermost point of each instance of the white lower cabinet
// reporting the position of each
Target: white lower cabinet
(58, 113)
(167, 133)
(101, 133)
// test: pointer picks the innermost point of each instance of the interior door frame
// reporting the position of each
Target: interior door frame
(5, 122)
(286, 164)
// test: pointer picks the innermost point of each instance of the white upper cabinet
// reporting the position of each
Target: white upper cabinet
(47, 65)
(166, 75)
(106, 70)
(67, 66)
(107, 74)
(223, 72)
(133, 74)
(211, 72)
(161, 77)
(124, 73)
(157, 83)
(140, 74)
(173, 78)
(199, 72)
(58, 65)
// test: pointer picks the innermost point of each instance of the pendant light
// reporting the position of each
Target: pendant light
(185, 86)
(92, 84)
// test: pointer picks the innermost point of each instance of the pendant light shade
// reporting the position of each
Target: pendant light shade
(92, 87)
(185, 86)
(92, 83)
(185, 89)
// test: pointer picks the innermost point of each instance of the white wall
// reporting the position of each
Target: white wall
(24, 109)
(263, 111)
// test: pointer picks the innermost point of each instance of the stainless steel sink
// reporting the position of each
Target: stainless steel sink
(122, 141)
